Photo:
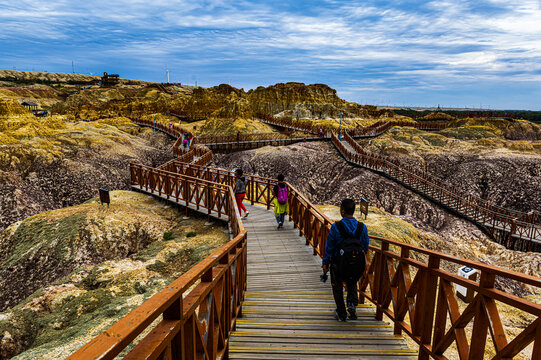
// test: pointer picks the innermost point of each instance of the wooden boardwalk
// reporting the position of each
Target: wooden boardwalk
(288, 312)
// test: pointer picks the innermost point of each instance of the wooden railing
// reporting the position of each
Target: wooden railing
(524, 227)
(375, 129)
(197, 312)
(174, 131)
(210, 139)
(412, 287)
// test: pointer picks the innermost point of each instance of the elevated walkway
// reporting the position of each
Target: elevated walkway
(518, 231)
(288, 313)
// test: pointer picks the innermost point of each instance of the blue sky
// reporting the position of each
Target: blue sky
(415, 53)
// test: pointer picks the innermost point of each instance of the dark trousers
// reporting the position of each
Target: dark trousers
(338, 292)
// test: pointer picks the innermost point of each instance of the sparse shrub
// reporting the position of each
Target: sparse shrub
(168, 235)
(435, 139)
(140, 287)
(486, 143)
(521, 146)
(191, 234)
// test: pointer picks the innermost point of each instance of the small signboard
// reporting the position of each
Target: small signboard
(104, 197)
(364, 207)
(461, 291)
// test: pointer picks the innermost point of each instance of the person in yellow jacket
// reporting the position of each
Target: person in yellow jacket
(281, 203)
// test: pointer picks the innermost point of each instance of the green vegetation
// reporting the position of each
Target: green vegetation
(42, 237)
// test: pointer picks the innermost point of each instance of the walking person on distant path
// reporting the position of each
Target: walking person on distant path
(345, 251)
(281, 206)
(240, 191)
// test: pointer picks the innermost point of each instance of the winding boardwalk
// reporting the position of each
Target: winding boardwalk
(521, 234)
(288, 312)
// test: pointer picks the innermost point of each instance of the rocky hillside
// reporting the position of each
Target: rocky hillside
(35, 77)
(225, 109)
(498, 160)
(49, 89)
(312, 101)
(48, 163)
(220, 102)
(81, 268)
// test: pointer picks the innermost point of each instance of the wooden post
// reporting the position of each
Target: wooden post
(252, 191)
(380, 285)
(268, 193)
(481, 322)
(430, 288)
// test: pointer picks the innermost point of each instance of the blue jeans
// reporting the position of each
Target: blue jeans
(280, 218)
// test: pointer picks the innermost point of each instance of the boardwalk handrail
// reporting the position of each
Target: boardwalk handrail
(196, 322)
(375, 129)
(523, 225)
(215, 139)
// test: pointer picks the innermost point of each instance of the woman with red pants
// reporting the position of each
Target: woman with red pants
(240, 191)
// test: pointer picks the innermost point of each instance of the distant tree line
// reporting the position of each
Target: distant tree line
(534, 116)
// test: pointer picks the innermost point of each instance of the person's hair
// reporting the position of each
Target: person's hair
(281, 177)
(239, 172)
(348, 206)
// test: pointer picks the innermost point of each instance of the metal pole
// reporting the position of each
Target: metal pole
(340, 127)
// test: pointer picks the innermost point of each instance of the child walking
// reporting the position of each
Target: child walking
(281, 205)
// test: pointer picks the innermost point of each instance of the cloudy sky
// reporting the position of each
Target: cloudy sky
(484, 53)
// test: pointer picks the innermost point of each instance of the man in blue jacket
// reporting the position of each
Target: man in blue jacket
(354, 229)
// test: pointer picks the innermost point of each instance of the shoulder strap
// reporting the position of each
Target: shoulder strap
(359, 231)
(342, 229)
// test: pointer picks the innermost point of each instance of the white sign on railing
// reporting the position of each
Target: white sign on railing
(461, 291)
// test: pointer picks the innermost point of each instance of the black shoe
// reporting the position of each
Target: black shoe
(352, 312)
(281, 225)
(338, 317)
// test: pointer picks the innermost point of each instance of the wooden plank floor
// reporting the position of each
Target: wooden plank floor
(288, 312)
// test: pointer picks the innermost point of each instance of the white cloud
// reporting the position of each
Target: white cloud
(448, 39)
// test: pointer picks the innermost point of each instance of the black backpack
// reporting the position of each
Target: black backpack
(349, 257)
